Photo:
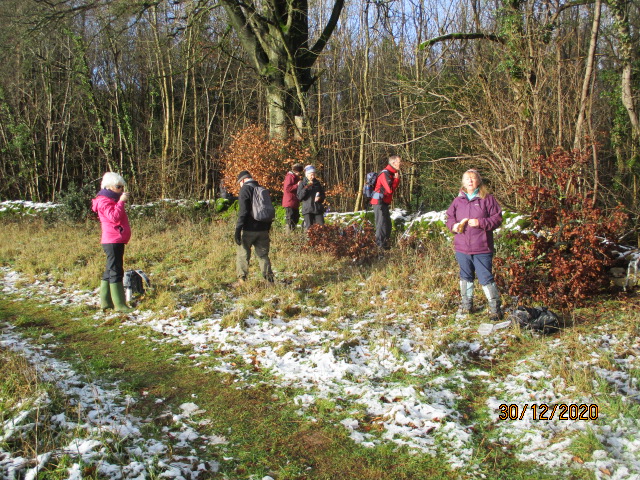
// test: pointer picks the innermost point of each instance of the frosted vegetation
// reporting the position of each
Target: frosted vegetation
(388, 367)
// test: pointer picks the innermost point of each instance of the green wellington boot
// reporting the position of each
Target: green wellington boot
(119, 299)
(105, 295)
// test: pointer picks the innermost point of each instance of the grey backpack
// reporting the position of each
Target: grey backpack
(262, 208)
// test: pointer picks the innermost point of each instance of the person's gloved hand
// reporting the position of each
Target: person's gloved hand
(238, 236)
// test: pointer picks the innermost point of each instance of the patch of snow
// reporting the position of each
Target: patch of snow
(351, 365)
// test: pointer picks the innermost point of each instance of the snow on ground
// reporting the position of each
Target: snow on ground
(26, 207)
(549, 441)
(390, 373)
(101, 422)
(102, 433)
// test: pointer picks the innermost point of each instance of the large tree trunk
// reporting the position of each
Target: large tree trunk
(276, 102)
(275, 36)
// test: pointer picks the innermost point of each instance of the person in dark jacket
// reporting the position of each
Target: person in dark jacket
(473, 216)
(116, 232)
(250, 232)
(311, 194)
(386, 183)
(290, 200)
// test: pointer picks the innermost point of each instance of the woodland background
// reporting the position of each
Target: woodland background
(166, 92)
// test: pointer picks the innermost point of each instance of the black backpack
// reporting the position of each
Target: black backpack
(537, 319)
(135, 281)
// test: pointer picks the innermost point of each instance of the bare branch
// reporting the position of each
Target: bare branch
(328, 29)
(462, 36)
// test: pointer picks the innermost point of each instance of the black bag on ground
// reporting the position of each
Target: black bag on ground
(538, 319)
(135, 281)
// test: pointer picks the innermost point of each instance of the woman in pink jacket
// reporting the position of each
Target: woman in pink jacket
(116, 232)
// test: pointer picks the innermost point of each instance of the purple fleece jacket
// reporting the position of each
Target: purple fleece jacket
(479, 239)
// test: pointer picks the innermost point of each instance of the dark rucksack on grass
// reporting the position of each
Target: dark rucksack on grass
(262, 208)
(134, 281)
(537, 319)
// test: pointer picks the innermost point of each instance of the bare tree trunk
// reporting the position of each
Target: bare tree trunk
(627, 54)
(277, 112)
(584, 97)
(167, 109)
(365, 109)
(559, 93)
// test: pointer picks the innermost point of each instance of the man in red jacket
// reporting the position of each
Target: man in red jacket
(386, 184)
(290, 200)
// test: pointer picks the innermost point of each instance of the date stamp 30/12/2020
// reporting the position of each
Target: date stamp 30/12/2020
(542, 411)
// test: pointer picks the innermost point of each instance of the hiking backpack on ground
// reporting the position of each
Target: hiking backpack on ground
(538, 319)
(134, 281)
(262, 208)
(369, 189)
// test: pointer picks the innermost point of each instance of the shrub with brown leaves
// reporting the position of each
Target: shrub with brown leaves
(355, 242)
(266, 159)
(566, 261)
(338, 194)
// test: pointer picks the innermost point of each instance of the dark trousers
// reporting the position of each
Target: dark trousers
(114, 270)
(480, 264)
(261, 243)
(292, 217)
(382, 218)
(313, 219)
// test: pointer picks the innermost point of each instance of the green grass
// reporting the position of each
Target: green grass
(192, 264)
(265, 433)
(21, 390)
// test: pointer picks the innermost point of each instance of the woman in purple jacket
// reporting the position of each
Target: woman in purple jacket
(473, 216)
(116, 232)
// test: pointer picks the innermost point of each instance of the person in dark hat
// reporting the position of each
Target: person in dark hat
(251, 232)
(290, 200)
